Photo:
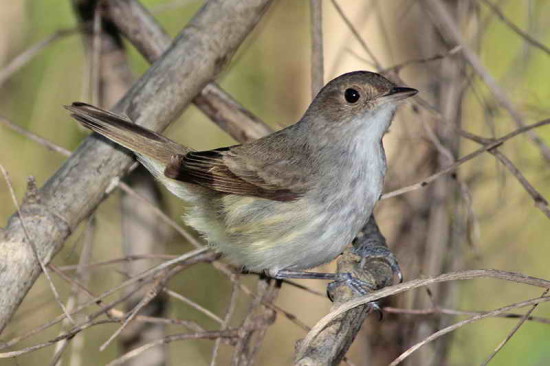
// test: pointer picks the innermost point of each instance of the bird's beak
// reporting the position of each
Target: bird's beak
(398, 93)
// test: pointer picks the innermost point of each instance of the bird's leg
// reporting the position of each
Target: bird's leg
(360, 287)
(338, 279)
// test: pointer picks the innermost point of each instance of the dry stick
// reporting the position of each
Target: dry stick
(293, 318)
(452, 167)
(172, 338)
(164, 217)
(123, 186)
(26, 56)
(460, 324)
(132, 192)
(151, 40)
(393, 290)
(32, 245)
(444, 311)
(419, 61)
(513, 331)
(449, 29)
(192, 257)
(61, 337)
(78, 285)
(33, 137)
(197, 55)
(82, 276)
(317, 64)
(194, 305)
(356, 35)
(540, 202)
(58, 319)
(79, 328)
(495, 9)
(255, 324)
(128, 258)
(149, 296)
(226, 320)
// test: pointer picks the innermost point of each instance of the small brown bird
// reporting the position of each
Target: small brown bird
(289, 201)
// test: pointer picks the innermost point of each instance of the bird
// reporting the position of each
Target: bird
(287, 202)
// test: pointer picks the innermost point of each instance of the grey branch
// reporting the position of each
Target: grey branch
(330, 345)
(143, 31)
(197, 55)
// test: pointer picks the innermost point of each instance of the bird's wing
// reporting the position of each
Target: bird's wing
(239, 170)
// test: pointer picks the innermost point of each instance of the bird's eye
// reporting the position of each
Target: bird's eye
(351, 95)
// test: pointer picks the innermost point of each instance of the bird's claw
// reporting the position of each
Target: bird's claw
(359, 287)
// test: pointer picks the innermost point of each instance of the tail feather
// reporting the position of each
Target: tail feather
(144, 142)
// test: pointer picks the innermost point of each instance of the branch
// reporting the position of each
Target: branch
(450, 30)
(487, 147)
(142, 30)
(197, 55)
(330, 344)
(334, 315)
(462, 323)
(495, 9)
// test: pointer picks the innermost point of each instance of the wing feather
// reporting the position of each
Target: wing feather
(227, 171)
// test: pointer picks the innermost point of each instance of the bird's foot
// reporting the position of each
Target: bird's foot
(358, 286)
(381, 253)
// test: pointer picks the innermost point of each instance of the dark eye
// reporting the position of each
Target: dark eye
(351, 95)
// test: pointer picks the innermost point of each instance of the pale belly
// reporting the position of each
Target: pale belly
(260, 234)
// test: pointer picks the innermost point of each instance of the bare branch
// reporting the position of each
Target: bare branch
(449, 28)
(230, 333)
(494, 144)
(330, 344)
(460, 324)
(139, 26)
(195, 57)
(393, 290)
(495, 9)
(30, 241)
(26, 56)
(513, 331)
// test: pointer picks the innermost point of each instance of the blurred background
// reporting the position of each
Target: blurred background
(480, 217)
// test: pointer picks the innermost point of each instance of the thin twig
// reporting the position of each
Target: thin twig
(172, 338)
(123, 186)
(396, 289)
(82, 276)
(439, 56)
(460, 324)
(513, 331)
(438, 311)
(528, 38)
(26, 56)
(194, 305)
(128, 258)
(356, 35)
(450, 29)
(227, 319)
(32, 245)
(496, 143)
(156, 287)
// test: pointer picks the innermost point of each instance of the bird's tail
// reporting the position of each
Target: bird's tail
(145, 143)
